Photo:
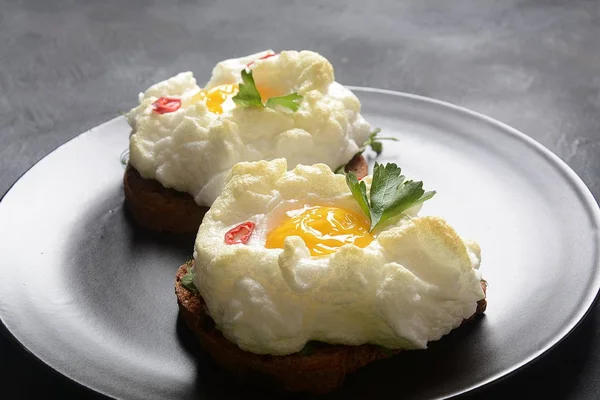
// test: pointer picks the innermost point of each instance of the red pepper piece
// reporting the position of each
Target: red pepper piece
(166, 105)
(261, 58)
(240, 233)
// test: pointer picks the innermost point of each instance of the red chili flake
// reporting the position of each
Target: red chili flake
(166, 105)
(261, 58)
(240, 234)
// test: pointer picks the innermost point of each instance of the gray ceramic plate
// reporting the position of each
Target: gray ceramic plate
(91, 295)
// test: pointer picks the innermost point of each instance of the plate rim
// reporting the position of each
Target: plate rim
(584, 194)
(581, 189)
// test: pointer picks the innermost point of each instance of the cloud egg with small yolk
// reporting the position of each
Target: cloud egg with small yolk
(193, 148)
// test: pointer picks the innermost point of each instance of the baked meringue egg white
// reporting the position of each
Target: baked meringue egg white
(259, 107)
(287, 257)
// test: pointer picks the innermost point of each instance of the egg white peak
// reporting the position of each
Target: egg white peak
(193, 148)
(416, 281)
(228, 71)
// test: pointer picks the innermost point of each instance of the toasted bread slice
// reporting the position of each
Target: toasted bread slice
(358, 165)
(321, 370)
(166, 210)
(158, 208)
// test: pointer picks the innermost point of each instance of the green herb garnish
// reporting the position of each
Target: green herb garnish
(288, 101)
(187, 281)
(374, 141)
(124, 157)
(390, 193)
(248, 95)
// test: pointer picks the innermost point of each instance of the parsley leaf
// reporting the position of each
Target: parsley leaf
(390, 194)
(359, 191)
(187, 281)
(374, 141)
(125, 157)
(248, 95)
(377, 147)
(409, 194)
(386, 180)
(288, 101)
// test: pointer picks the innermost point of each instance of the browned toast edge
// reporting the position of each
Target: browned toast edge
(167, 210)
(320, 371)
(158, 208)
(358, 165)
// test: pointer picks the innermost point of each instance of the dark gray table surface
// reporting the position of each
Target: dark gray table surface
(66, 66)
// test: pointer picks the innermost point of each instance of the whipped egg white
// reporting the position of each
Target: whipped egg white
(193, 148)
(415, 282)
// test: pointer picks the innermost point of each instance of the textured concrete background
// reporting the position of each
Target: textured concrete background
(66, 66)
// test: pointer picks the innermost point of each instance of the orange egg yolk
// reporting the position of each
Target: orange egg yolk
(215, 97)
(266, 92)
(323, 229)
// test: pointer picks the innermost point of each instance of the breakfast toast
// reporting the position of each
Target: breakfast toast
(317, 369)
(167, 210)
(158, 208)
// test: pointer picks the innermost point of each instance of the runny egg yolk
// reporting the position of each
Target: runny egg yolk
(323, 229)
(266, 92)
(215, 97)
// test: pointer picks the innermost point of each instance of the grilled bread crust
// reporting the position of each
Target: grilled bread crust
(167, 210)
(321, 370)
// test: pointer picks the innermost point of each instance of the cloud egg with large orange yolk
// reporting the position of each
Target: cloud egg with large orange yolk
(310, 270)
